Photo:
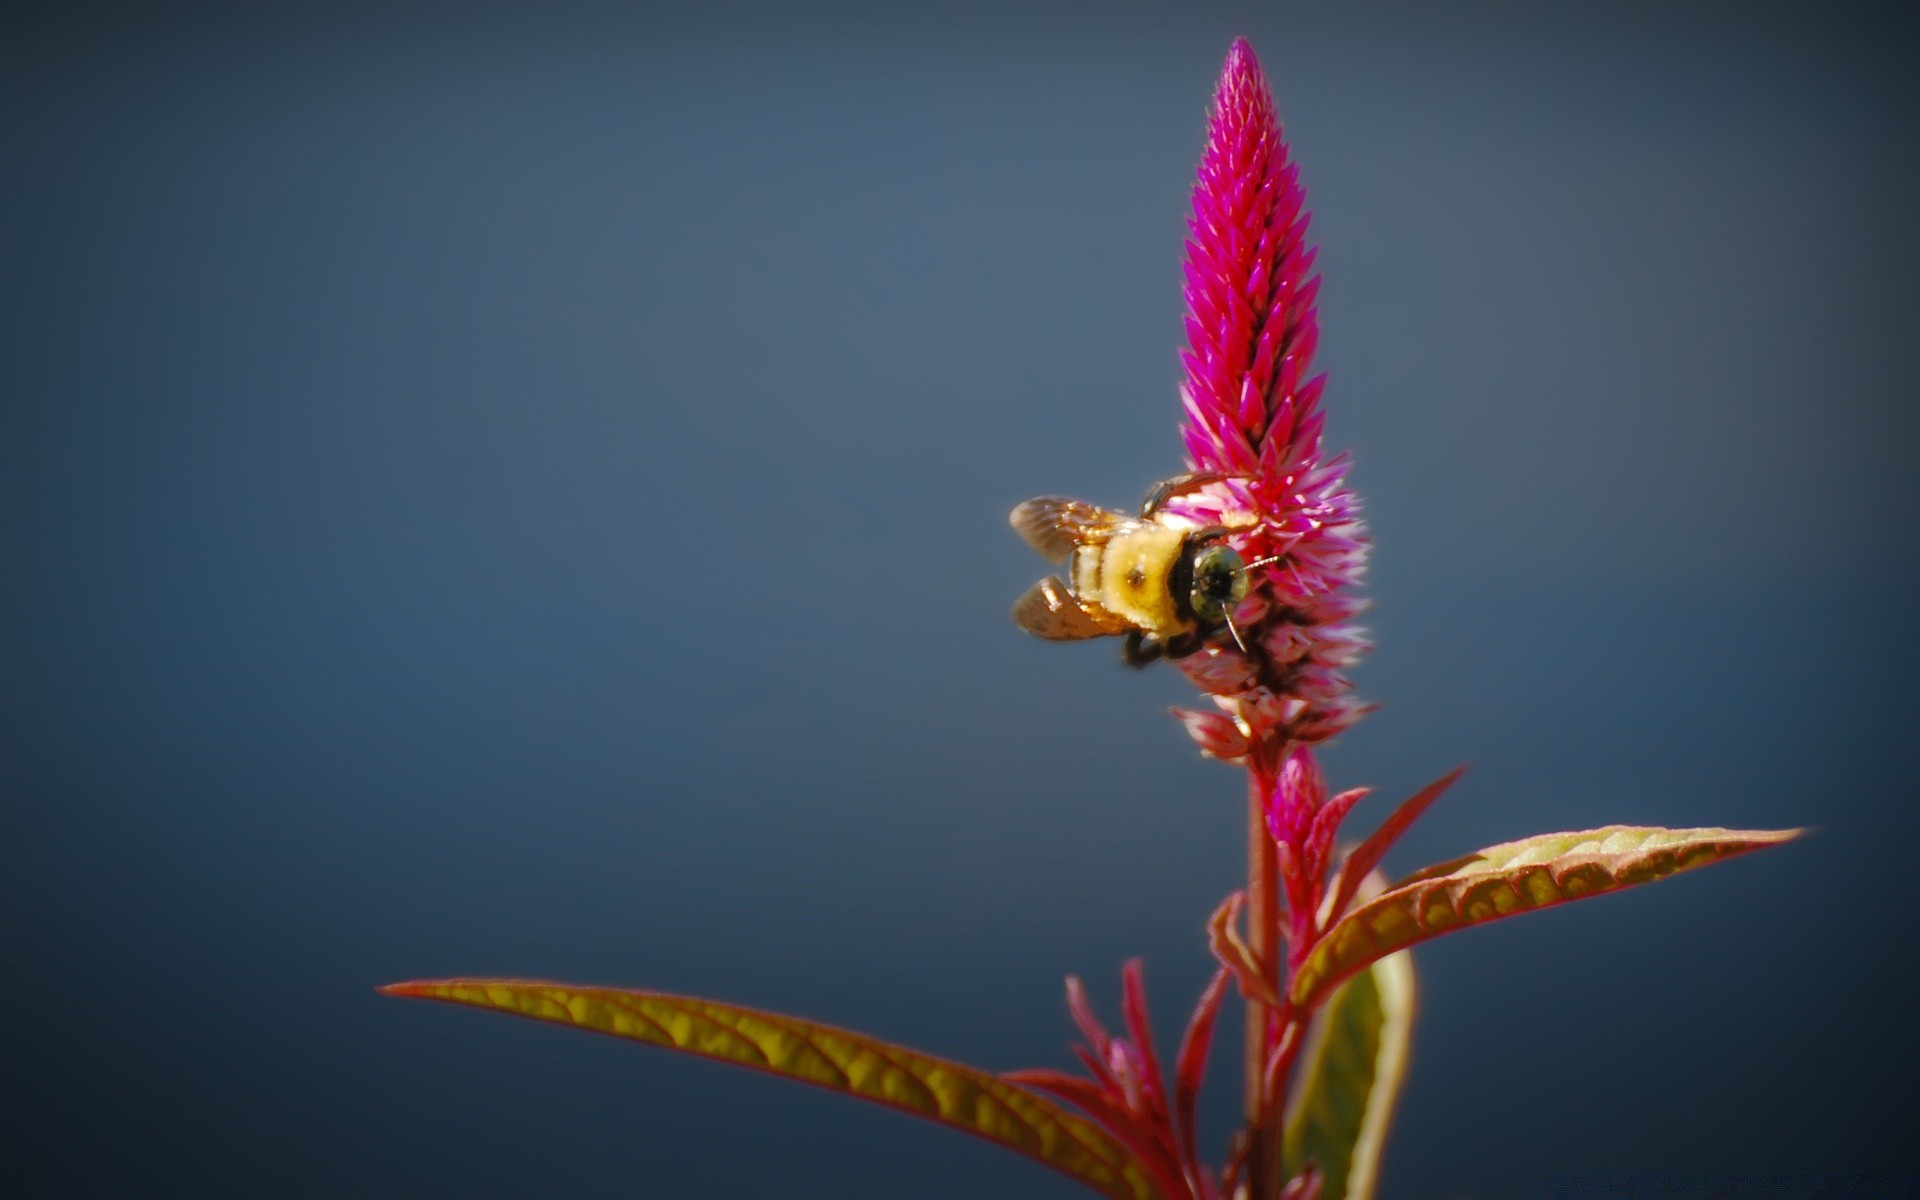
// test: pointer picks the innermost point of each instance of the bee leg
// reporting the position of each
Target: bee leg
(1179, 485)
(1138, 650)
(1181, 645)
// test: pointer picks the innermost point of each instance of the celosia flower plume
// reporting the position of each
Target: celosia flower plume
(1253, 420)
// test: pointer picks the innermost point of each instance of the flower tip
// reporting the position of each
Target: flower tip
(1242, 68)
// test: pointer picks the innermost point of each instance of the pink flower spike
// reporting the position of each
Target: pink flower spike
(1240, 277)
(1250, 404)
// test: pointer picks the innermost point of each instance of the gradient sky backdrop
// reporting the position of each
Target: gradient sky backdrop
(521, 494)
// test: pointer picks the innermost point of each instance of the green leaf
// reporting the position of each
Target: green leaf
(1350, 1076)
(954, 1095)
(1509, 879)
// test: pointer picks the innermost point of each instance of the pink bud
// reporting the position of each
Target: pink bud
(1215, 733)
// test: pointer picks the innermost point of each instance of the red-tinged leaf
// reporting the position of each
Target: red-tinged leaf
(1087, 1095)
(1231, 949)
(853, 1064)
(1367, 855)
(1098, 1039)
(1191, 1066)
(1509, 879)
(1326, 822)
(1349, 1080)
(1133, 1007)
(1130, 1129)
(1096, 1054)
(1304, 1186)
(1298, 885)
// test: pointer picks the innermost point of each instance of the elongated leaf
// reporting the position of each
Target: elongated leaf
(1509, 879)
(1367, 855)
(1350, 1077)
(1191, 1066)
(836, 1059)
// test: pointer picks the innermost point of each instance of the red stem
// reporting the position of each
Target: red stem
(1263, 930)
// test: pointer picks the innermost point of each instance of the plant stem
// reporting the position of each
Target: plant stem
(1263, 928)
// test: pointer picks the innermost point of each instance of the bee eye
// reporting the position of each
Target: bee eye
(1219, 582)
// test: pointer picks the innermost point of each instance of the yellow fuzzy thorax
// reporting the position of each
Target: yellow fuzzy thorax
(1130, 575)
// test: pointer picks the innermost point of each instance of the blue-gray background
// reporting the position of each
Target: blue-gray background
(525, 495)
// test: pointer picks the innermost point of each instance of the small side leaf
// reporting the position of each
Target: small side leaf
(1509, 879)
(1362, 859)
(1191, 1066)
(949, 1093)
(1350, 1078)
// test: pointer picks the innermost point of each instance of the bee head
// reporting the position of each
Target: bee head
(1219, 582)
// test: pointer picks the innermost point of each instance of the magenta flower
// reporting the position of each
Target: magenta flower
(1253, 420)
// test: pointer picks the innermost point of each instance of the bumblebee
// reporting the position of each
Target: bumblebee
(1166, 588)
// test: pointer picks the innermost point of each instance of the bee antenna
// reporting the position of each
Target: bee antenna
(1235, 631)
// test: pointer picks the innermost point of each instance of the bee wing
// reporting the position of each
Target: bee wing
(1179, 485)
(1049, 610)
(1054, 525)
